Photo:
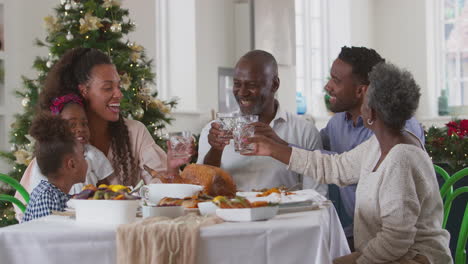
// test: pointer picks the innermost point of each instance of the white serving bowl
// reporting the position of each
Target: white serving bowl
(207, 208)
(167, 211)
(155, 192)
(111, 212)
(247, 214)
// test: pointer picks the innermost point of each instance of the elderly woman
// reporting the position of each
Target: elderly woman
(398, 207)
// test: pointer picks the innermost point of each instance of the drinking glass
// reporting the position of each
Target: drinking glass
(244, 129)
(180, 143)
(227, 122)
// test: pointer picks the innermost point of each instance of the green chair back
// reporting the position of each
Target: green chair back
(446, 191)
(460, 252)
(447, 187)
(444, 174)
(18, 187)
(460, 255)
(448, 203)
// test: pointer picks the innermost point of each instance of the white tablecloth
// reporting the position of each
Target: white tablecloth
(302, 237)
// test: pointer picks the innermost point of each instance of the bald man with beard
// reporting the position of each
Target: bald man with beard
(256, 82)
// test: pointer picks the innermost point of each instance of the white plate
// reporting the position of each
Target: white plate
(297, 196)
(247, 214)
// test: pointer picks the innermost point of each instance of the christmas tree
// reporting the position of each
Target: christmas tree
(100, 24)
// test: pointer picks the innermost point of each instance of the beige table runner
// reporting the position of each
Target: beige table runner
(161, 240)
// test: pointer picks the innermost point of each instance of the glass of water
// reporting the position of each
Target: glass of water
(227, 122)
(180, 143)
(244, 129)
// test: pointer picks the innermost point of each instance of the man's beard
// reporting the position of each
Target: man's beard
(256, 109)
(341, 106)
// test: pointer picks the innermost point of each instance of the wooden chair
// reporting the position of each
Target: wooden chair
(17, 186)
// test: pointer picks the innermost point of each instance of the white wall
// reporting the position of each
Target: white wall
(362, 23)
(23, 24)
(142, 13)
(339, 26)
(215, 36)
(214, 47)
(400, 37)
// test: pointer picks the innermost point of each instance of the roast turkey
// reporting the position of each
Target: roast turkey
(215, 181)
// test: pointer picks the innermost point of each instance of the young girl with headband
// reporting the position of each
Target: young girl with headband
(70, 108)
(60, 157)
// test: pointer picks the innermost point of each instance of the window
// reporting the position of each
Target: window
(311, 53)
(453, 53)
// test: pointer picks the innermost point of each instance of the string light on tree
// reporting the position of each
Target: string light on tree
(26, 100)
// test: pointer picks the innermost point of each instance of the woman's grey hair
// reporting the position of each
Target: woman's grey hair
(393, 93)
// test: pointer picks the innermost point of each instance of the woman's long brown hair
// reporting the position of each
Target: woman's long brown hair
(74, 68)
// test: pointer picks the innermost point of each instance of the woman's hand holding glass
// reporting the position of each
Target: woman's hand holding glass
(180, 148)
(264, 146)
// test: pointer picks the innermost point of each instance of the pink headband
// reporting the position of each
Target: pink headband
(59, 102)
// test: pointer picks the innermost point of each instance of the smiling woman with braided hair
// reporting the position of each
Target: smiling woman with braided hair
(126, 143)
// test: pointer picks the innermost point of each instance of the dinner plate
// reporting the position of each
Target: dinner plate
(296, 196)
(297, 207)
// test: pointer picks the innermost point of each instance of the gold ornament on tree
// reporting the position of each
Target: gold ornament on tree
(111, 3)
(89, 23)
(125, 81)
(116, 27)
(158, 104)
(136, 51)
(23, 156)
(51, 24)
(138, 112)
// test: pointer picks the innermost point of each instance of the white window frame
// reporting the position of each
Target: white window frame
(440, 59)
(313, 86)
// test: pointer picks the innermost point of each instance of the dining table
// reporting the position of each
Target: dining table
(311, 236)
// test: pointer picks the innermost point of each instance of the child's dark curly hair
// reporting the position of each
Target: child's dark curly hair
(54, 140)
